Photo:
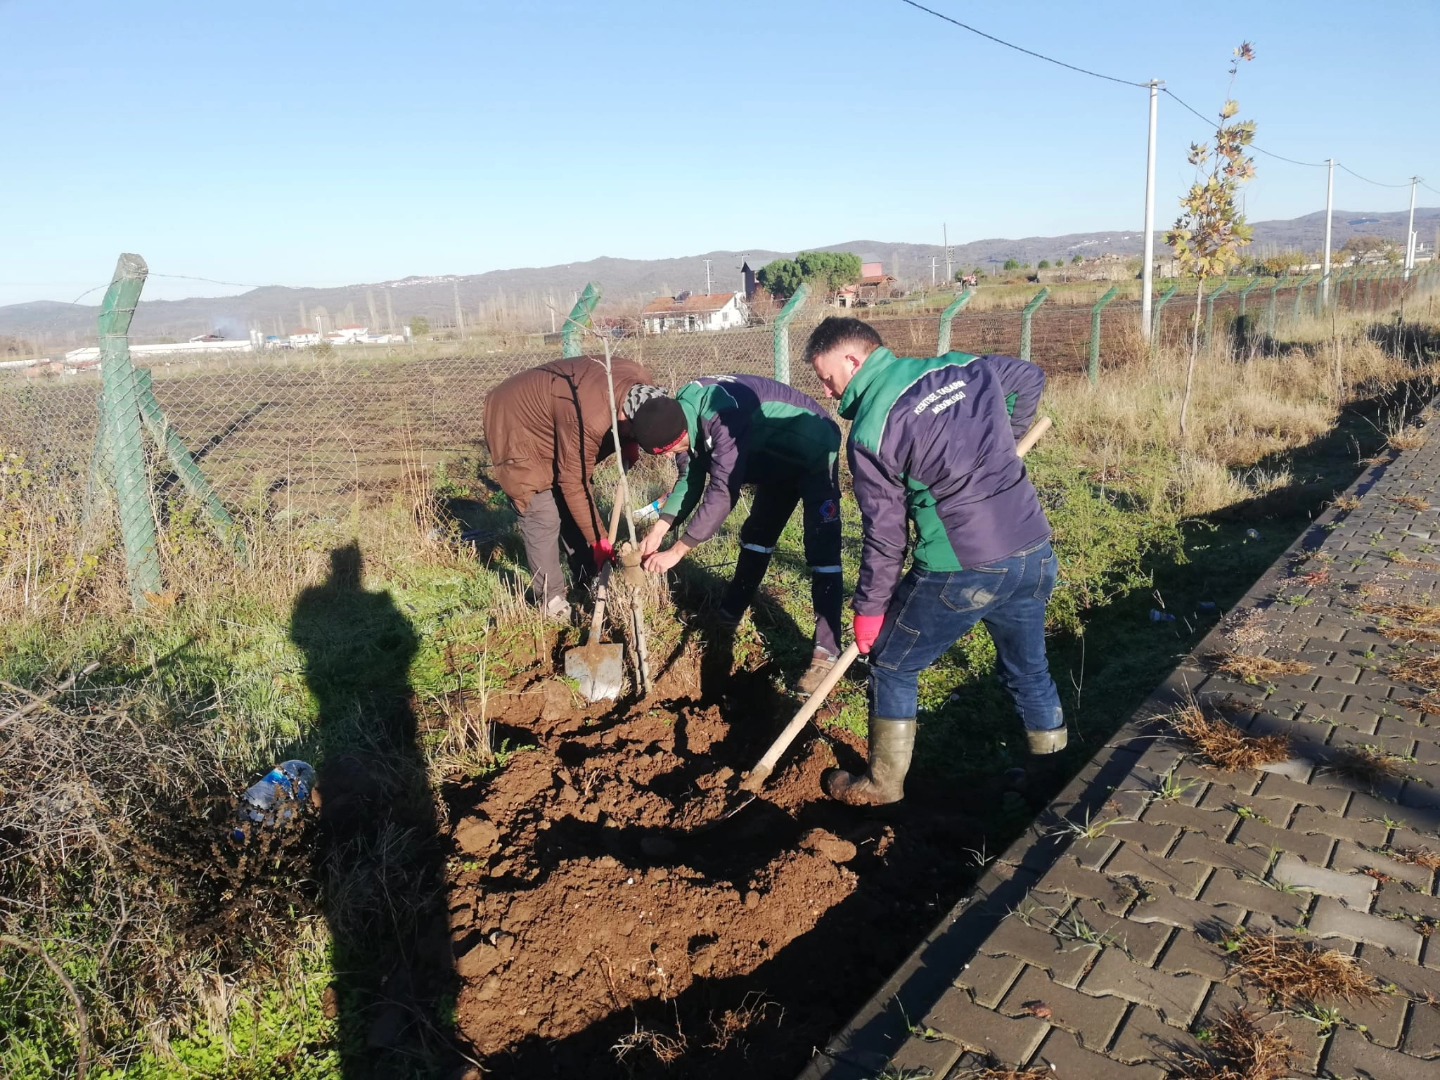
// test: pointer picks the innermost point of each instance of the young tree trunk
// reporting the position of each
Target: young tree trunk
(1190, 368)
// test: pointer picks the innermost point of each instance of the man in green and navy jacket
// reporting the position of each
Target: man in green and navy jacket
(932, 447)
(747, 429)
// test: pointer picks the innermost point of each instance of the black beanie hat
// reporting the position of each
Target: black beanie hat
(657, 424)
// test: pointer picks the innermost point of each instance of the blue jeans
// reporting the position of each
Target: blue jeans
(932, 611)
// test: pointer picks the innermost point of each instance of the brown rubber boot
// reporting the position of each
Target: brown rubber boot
(892, 743)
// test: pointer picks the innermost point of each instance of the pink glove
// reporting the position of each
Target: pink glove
(604, 552)
(867, 629)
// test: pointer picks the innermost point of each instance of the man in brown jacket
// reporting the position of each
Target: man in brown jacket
(547, 429)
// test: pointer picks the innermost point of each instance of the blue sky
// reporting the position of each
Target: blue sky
(325, 143)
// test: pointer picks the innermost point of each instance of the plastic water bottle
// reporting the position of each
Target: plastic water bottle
(648, 513)
(1252, 534)
(1157, 615)
(276, 795)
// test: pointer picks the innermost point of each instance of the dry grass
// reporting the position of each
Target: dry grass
(1255, 670)
(1423, 857)
(1415, 614)
(1423, 672)
(1412, 634)
(1238, 1049)
(1223, 744)
(1368, 764)
(1411, 502)
(1297, 974)
(1430, 703)
(1408, 438)
(1346, 503)
(1000, 1072)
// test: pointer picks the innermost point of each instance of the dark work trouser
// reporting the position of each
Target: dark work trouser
(549, 533)
(771, 510)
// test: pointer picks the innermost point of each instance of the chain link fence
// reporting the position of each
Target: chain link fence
(326, 428)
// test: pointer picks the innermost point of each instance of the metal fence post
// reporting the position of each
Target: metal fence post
(782, 332)
(1155, 318)
(947, 317)
(185, 465)
(1025, 317)
(577, 320)
(1245, 292)
(120, 429)
(1095, 333)
(1300, 292)
(1210, 308)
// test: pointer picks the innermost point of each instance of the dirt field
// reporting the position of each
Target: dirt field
(600, 929)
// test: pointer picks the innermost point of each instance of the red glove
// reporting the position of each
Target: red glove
(867, 629)
(629, 452)
(604, 552)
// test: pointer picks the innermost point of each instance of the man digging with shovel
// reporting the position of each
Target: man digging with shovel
(547, 429)
(745, 429)
(933, 442)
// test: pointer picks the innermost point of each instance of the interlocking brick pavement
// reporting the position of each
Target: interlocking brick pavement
(1105, 957)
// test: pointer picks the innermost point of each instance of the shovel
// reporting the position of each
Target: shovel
(755, 779)
(599, 669)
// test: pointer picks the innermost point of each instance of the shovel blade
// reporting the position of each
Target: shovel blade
(598, 669)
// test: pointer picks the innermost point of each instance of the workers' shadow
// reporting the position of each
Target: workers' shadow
(380, 866)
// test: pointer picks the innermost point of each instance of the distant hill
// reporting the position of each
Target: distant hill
(528, 295)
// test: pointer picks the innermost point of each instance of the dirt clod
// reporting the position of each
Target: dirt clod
(829, 845)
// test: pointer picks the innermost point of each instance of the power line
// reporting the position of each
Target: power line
(1258, 149)
(1027, 52)
(208, 281)
(1367, 180)
(1429, 188)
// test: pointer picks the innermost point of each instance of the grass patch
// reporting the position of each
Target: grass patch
(1256, 670)
(1238, 1048)
(1223, 744)
(1295, 974)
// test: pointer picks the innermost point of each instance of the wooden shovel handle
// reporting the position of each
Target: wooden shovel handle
(761, 772)
(602, 586)
(1032, 436)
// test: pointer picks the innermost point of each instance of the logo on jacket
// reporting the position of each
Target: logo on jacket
(830, 510)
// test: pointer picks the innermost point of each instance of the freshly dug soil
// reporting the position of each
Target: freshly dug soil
(605, 923)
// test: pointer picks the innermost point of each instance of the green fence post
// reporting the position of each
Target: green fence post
(1210, 308)
(947, 317)
(1155, 316)
(121, 442)
(1095, 333)
(1025, 317)
(1245, 293)
(1300, 292)
(185, 465)
(782, 332)
(577, 320)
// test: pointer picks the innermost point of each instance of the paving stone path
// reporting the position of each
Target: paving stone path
(1095, 946)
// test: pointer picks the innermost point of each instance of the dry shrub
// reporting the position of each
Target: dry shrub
(1422, 857)
(1295, 973)
(1346, 503)
(1416, 614)
(1239, 1049)
(1223, 744)
(1255, 669)
(1419, 671)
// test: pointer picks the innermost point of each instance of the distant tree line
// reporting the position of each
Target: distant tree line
(827, 271)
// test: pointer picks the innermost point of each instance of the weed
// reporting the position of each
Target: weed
(666, 1049)
(1423, 672)
(1253, 670)
(1237, 1048)
(1406, 438)
(1222, 743)
(1415, 614)
(1368, 764)
(1086, 830)
(1170, 787)
(1346, 503)
(1296, 974)
(1326, 1018)
(1424, 857)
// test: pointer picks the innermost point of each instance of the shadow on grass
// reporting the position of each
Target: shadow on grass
(380, 855)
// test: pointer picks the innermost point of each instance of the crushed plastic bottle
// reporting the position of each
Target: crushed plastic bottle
(1156, 615)
(647, 514)
(1252, 534)
(276, 796)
